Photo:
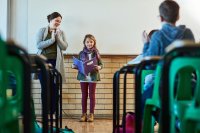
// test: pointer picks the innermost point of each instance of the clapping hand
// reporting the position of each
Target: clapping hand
(145, 37)
(58, 32)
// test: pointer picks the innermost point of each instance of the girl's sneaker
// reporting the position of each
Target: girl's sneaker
(91, 117)
(83, 117)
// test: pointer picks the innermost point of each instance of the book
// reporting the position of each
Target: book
(85, 67)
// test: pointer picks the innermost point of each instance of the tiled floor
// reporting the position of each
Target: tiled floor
(98, 126)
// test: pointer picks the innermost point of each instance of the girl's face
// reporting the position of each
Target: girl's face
(55, 23)
(89, 43)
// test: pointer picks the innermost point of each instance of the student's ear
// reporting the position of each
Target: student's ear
(162, 19)
(178, 17)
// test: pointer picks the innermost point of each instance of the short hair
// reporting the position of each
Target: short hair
(169, 10)
(151, 32)
(53, 15)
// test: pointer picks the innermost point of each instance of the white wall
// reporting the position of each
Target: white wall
(13, 21)
(190, 16)
(3, 19)
(19, 22)
(116, 24)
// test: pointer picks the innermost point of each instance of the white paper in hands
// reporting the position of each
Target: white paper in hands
(85, 67)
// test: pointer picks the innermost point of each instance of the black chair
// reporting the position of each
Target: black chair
(129, 69)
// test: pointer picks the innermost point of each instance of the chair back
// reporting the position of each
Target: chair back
(181, 60)
(145, 67)
(14, 91)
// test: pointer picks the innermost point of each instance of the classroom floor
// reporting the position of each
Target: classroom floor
(98, 126)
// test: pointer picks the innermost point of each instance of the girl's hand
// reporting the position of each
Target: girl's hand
(97, 67)
(74, 66)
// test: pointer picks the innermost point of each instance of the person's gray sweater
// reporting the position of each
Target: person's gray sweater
(61, 45)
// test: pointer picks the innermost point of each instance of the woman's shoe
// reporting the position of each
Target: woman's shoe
(91, 117)
(83, 117)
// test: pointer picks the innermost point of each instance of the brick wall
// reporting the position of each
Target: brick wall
(104, 91)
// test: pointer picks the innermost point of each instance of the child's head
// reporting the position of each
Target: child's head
(89, 41)
(169, 11)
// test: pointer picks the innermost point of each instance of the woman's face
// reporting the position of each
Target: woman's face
(89, 43)
(55, 23)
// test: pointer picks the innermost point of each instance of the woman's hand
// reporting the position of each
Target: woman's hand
(58, 32)
(53, 35)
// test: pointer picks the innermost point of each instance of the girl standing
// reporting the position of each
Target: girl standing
(88, 82)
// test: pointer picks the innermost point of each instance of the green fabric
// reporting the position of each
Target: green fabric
(51, 51)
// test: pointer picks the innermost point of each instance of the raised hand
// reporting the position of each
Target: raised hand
(145, 37)
(58, 32)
